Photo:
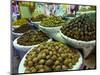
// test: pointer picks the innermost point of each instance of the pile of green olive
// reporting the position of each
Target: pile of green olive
(52, 21)
(22, 29)
(39, 17)
(81, 28)
(32, 37)
(20, 22)
(51, 56)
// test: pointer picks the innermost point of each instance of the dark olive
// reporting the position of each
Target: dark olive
(80, 27)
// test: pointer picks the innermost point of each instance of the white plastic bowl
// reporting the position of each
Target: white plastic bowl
(50, 30)
(21, 49)
(37, 22)
(15, 26)
(77, 43)
(86, 46)
(57, 36)
(15, 35)
(21, 68)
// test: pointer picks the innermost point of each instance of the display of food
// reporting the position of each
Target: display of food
(51, 56)
(32, 37)
(23, 29)
(52, 37)
(20, 22)
(52, 21)
(81, 28)
(39, 18)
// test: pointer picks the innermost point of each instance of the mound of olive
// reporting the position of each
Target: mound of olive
(22, 29)
(81, 28)
(20, 22)
(32, 37)
(52, 21)
(39, 18)
(51, 56)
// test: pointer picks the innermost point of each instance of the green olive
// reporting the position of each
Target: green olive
(33, 69)
(43, 55)
(60, 59)
(54, 57)
(39, 56)
(49, 62)
(42, 61)
(63, 55)
(66, 62)
(50, 53)
(64, 67)
(46, 68)
(70, 65)
(58, 68)
(41, 70)
(35, 60)
(29, 58)
(57, 62)
(39, 67)
(48, 56)
(30, 63)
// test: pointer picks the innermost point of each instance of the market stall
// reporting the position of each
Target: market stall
(46, 40)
